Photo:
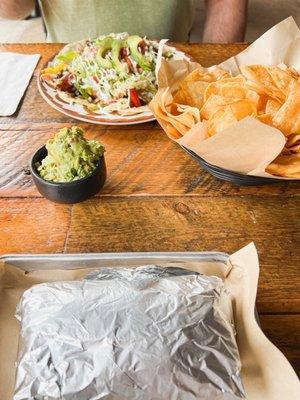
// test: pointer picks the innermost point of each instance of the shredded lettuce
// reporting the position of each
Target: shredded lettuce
(106, 90)
(68, 56)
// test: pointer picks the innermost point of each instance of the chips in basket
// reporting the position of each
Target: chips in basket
(269, 93)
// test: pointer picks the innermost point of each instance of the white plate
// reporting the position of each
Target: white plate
(77, 111)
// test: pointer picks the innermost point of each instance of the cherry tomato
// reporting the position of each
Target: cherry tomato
(134, 98)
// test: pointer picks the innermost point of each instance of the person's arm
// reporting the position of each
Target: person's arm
(16, 9)
(225, 21)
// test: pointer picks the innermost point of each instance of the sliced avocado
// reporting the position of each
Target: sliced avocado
(142, 61)
(68, 56)
(116, 46)
(104, 47)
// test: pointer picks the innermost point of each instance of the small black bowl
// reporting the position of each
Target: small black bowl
(68, 192)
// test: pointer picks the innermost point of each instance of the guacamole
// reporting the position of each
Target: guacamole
(70, 156)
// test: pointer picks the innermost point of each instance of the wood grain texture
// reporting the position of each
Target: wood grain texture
(187, 224)
(164, 224)
(156, 198)
(284, 332)
(32, 226)
(139, 162)
(205, 54)
(34, 109)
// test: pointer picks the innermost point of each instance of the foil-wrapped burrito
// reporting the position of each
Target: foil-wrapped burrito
(149, 333)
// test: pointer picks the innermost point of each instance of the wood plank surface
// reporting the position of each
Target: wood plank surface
(156, 198)
(33, 226)
(139, 162)
(172, 171)
(206, 55)
(165, 224)
(177, 224)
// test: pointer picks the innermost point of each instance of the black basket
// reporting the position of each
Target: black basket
(230, 176)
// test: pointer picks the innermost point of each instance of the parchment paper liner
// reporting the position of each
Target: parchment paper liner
(248, 146)
(267, 375)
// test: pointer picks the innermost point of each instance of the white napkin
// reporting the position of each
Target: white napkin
(15, 73)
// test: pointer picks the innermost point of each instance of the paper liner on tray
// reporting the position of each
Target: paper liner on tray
(266, 373)
(248, 146)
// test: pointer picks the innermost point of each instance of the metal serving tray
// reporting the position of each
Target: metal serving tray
(30, 262)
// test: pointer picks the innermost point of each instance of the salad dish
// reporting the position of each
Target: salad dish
(108, 80)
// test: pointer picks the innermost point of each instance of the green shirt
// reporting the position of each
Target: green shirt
(73, 20)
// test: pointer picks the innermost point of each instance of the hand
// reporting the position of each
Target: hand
(225, 21)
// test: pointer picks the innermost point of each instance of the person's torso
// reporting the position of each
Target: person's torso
(73, 20)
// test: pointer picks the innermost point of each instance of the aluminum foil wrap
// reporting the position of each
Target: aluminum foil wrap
(149, 333)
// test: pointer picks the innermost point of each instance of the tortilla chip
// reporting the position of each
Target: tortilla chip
(194, 93)
(227, 87)
(292, 145)
(265, 118)
(289, 70)
(213, 104)
(172, 132)
(175, 129)
(262, 102)
(179, 97)
(189, 115)
(254, 97)
(287, 118)
(219, 73)
(220, 120)
(261, 81)
(293, 140)
(176, 125)
(291, 150)
(272, 106)
(281, 78)
(199, 75)
(285, 165)
(241, 107)
(233, 91)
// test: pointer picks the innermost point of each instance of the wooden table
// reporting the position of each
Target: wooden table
(156, 198)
